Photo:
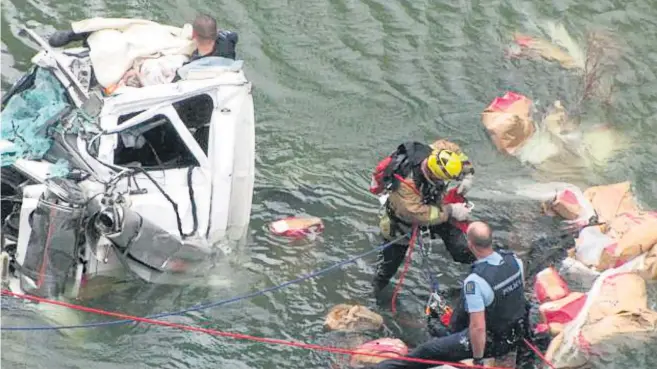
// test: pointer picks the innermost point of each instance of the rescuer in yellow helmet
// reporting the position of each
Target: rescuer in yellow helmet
(416, 177)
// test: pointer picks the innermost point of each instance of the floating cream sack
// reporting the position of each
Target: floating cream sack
(611, 200)
(392, 347)
(297, 227)
(549, 286)
(618, 293)
(625, 326)
(607, 201)
(534, 46)
(346, 317)
(508, 122)
(616, 307)
(634, 233)
(567, 203)
(602, 338)
(646, 265)
(560, 46)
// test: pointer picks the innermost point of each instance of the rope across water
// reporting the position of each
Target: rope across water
(273, 341)
(216, 303)
(151, 319)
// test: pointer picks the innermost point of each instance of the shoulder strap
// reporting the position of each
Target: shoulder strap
(405, 158)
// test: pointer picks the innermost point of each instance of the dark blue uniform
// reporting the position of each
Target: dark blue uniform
(505, 314)
(224, 46)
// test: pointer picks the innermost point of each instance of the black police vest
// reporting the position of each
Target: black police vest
(508, 306)
(224, 46)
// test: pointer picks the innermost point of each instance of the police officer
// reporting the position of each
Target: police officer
(210, 42)
(490, 318)
(417, 178)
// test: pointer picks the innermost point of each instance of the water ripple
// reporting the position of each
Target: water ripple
(338, 85)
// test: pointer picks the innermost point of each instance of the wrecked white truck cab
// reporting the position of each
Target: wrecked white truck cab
(148, 180)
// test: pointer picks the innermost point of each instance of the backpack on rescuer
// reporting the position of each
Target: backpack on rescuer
(378, 184)
(401, 162)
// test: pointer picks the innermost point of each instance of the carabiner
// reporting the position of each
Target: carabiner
(432, 303)
(442, 304)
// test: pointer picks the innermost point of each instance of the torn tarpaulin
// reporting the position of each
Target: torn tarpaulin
(29, 113)
(60, 169)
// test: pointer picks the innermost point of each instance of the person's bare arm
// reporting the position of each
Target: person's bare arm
(478, 334)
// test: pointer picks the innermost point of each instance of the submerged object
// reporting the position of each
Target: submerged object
(601, 142)
(345, 317)
(534, 47)
(297, 227)
(560, 47)
(144, 182)
(389, 346)
(141, 242)
(557, 146)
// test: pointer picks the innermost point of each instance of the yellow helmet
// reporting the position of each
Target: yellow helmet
(445, 164)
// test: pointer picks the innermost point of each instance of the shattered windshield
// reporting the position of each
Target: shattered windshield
(37, 104)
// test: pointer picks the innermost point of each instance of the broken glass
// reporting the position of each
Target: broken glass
(29, 114)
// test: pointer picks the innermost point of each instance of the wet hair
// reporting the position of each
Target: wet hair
(205, 27)
(480, 235)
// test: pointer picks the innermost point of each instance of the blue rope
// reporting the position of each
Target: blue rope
(214, 304)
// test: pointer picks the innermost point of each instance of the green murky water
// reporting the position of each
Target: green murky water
(338, 83)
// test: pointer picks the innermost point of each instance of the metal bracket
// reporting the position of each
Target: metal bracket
(44, 45)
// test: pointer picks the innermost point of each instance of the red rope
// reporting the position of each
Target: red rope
(538, 353)
(273, 341)
(407, 265)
